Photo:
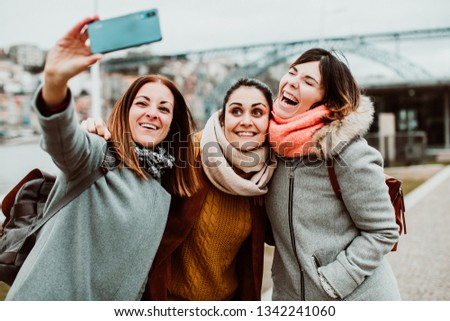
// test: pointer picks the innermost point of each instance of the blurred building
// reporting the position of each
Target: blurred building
(421, 114)
(29, 56)
(414, 109)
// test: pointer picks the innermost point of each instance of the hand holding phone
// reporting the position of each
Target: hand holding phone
(126, 31)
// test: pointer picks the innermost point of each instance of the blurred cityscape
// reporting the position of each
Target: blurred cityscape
(412, 100)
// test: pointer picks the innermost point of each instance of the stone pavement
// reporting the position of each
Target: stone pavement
(422, 260)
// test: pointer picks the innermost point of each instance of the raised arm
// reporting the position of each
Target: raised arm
(69, 57)
(70, 148)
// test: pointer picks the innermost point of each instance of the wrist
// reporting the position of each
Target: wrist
(54, 90)
(47, 111)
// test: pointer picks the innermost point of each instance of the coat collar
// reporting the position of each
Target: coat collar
(331, 139)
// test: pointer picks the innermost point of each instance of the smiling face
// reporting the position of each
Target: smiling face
(299, 89)
(151, 114)
(246, 118)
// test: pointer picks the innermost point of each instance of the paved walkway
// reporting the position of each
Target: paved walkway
(422, 261)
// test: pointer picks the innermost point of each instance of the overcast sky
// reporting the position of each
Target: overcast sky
(203, 24)
(188, 25)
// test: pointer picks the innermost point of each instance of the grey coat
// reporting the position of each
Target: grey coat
(102, 244)
(313, 229)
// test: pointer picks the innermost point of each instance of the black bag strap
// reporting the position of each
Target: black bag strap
(91, 179)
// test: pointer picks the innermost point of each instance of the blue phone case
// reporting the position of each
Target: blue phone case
(125, 31)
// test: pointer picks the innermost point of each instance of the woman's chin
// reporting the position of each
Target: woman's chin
(245, 145)
(285, 110)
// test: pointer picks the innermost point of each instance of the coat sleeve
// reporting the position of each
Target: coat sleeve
(72, 150)
(365, 194)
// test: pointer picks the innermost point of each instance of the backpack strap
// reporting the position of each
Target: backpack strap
(333, 179)
(91, 179)
(9, 199)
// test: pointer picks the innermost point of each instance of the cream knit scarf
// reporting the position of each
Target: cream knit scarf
(231, 170)
(292, 137)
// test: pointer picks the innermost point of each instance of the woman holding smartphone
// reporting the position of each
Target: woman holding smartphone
(102, 244)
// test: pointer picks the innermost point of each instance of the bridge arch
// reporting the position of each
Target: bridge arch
(279, 54)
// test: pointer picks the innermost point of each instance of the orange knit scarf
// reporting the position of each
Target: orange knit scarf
(291, 137)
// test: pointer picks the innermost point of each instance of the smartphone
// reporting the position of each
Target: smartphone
(126, 31)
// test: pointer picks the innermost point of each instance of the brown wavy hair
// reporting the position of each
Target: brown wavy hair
(183, 179)
(341, 93)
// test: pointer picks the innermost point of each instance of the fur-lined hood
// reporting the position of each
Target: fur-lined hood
(332, 138)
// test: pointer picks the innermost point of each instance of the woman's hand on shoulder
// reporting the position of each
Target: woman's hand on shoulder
(96, 126)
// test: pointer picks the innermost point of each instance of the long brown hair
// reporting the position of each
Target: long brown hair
(341, 93)
(183, 180)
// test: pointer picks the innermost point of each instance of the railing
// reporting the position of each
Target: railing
(402, 148)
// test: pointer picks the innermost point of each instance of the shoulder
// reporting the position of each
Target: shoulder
(331, 138)
(358, 151)
(359, 164)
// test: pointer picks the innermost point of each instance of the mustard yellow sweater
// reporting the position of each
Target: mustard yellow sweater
(204, 267)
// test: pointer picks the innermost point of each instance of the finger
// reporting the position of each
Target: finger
(92, 59)
(86, 126)
(99, 127)
(84, 35)
(91, 126)
(102, 129)
(76, 30)
(107, 134)
(84, 62)
(83, 125)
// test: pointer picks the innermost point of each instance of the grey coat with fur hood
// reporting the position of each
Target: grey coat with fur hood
(314, 231)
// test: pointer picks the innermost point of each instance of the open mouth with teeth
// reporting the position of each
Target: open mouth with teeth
(149, 126)
(289, 99)
(245, 134)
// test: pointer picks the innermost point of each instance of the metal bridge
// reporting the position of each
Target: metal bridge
(270, 54)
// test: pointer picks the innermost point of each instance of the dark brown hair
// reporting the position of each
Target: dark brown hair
(341, 93)
(247, 82)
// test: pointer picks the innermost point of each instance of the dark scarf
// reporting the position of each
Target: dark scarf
(154, 161)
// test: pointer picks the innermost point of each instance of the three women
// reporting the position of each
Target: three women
(325, 248)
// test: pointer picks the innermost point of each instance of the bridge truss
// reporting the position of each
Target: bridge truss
(272, 54)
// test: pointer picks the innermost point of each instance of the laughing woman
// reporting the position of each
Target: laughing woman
(327, 248)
